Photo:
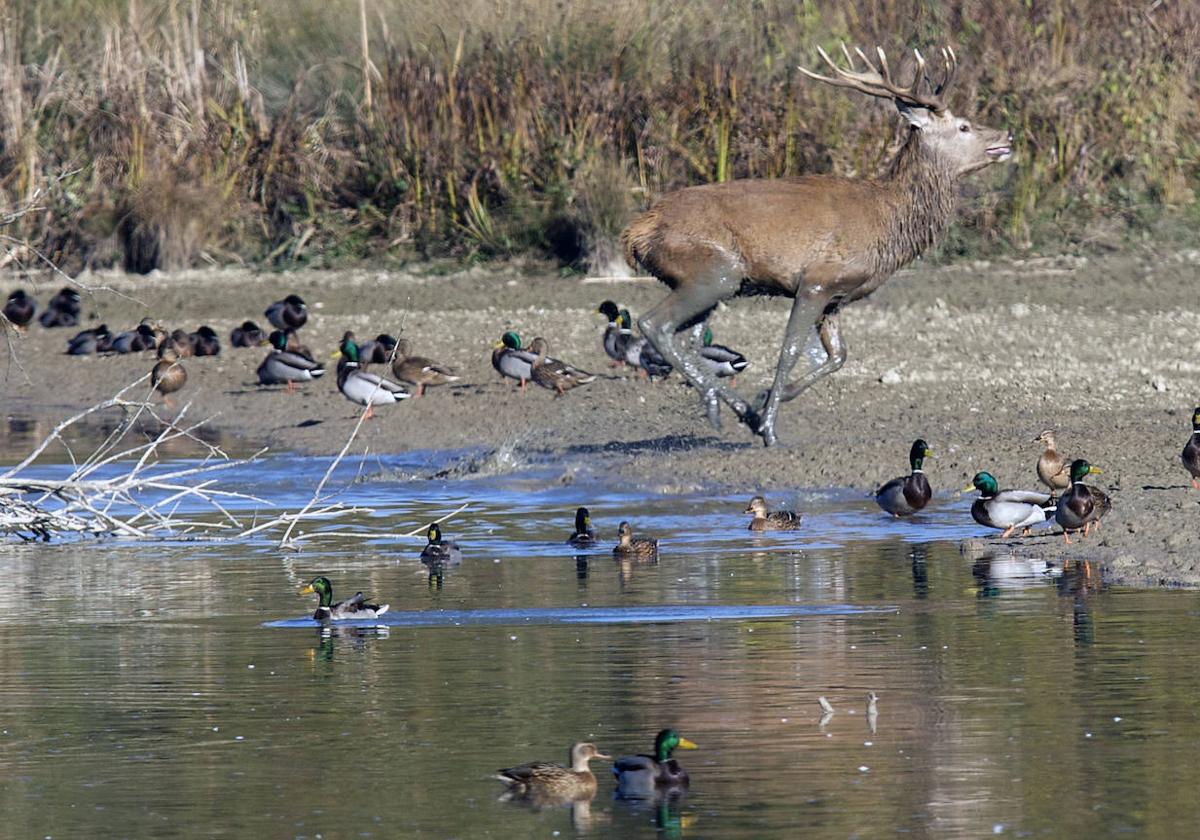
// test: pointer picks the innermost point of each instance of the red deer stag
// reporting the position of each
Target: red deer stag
(821, 239)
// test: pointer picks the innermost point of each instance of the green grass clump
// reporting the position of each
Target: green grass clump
(164, 133)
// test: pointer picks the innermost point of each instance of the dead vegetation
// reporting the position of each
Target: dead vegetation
(236, 130)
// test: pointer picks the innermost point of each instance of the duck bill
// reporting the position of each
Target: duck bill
(1094, 470)
(308, 590)
(602, 756)
(929, 453)
(336, 354)
(968, 488)
(685, 744)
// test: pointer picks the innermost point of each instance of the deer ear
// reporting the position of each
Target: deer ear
(916, 116)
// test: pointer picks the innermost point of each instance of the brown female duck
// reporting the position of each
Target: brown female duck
(771, 520)
(1053, 468)
(547, 779)
(634, 549)
(418, 370)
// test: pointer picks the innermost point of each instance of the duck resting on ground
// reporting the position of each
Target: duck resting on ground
(640, 354)
(553, 374)
(1007, 510)
(283, 367)
(86, 342)
(19, 309)
(1053, 469)
(584, 536)
(545, 779)
(511, 360)
(249, 334)
(1081, 507)
(766, 519)
(419, 370)
(719, 360)
(288, 314)
(1191, 452)
(908, 494)
(204, 342)
(366, 389)
(351, 608)
(644, 774)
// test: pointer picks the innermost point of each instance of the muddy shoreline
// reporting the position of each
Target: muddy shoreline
(976, 358)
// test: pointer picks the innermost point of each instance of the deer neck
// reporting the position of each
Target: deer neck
(924, 192)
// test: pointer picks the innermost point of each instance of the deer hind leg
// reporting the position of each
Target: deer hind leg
(807, 314)
(688, 302)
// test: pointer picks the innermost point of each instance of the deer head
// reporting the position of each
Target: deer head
(962, 145)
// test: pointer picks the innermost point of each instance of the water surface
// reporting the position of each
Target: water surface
(146, 690)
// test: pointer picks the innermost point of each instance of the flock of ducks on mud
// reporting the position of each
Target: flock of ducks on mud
(1078, 509)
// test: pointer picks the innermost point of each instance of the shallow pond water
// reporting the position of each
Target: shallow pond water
(177, 689)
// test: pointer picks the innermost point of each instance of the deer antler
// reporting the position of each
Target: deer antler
(877, 81)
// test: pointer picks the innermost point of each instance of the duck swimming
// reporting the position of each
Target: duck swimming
(643, 774)
(584, 536)
(351, 608)
(546, 780)
(634, 549)
(438, 550)
(766, 519)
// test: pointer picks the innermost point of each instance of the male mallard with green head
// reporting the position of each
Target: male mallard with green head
(1007, 510)
(584, 536)
(907, 494)
(634, 549)
(613, 347)
(367, 389)
(1081, 507)
(1053, 469)
(643, 774)
(640, 353)
(418, 370)
(1191, 452)
(510, 360)
(438, 550)
(720, 360)
(766, 519)
(544, 779)
(283, 367)
(356, 607)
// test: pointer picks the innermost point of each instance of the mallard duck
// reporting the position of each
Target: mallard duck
(908, 494)
(1053, 469)
(438, 550)
(136, 340)
(62, 310)
(509, 359)
(291, 313)
(86, 342)
(204, 342)
(1191, 452)
(249, 334)
(584, 536)
(639, 352)
(283, 367)
(179, 341)
(645, 773)
(637, 549)
(613, 346)
(364, 388)
(1082, 506)
(377, 350)
(351, 608)
(545, 779)
(169, 375)
(1007, 509)
(719, 359)
(418, 370)
(19, 309)
(556, 375)
(766, 519)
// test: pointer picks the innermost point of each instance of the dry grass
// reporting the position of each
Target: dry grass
(266, 132)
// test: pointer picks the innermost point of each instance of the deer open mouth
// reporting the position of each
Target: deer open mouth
(999, 152)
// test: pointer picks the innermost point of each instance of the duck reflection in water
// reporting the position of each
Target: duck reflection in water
(330, 637)
(581, 570)
(1079, 584)
(543, 784)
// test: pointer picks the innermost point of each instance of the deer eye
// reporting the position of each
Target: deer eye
(964, 127)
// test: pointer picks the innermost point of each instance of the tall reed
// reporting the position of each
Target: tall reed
(163, 133)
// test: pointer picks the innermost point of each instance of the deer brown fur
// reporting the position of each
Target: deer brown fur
(822, 240)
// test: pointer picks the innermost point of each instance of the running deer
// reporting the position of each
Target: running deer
(820, 239)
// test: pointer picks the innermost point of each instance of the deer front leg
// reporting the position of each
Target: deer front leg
(806, 315)
(832, 347)
(660, 324)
